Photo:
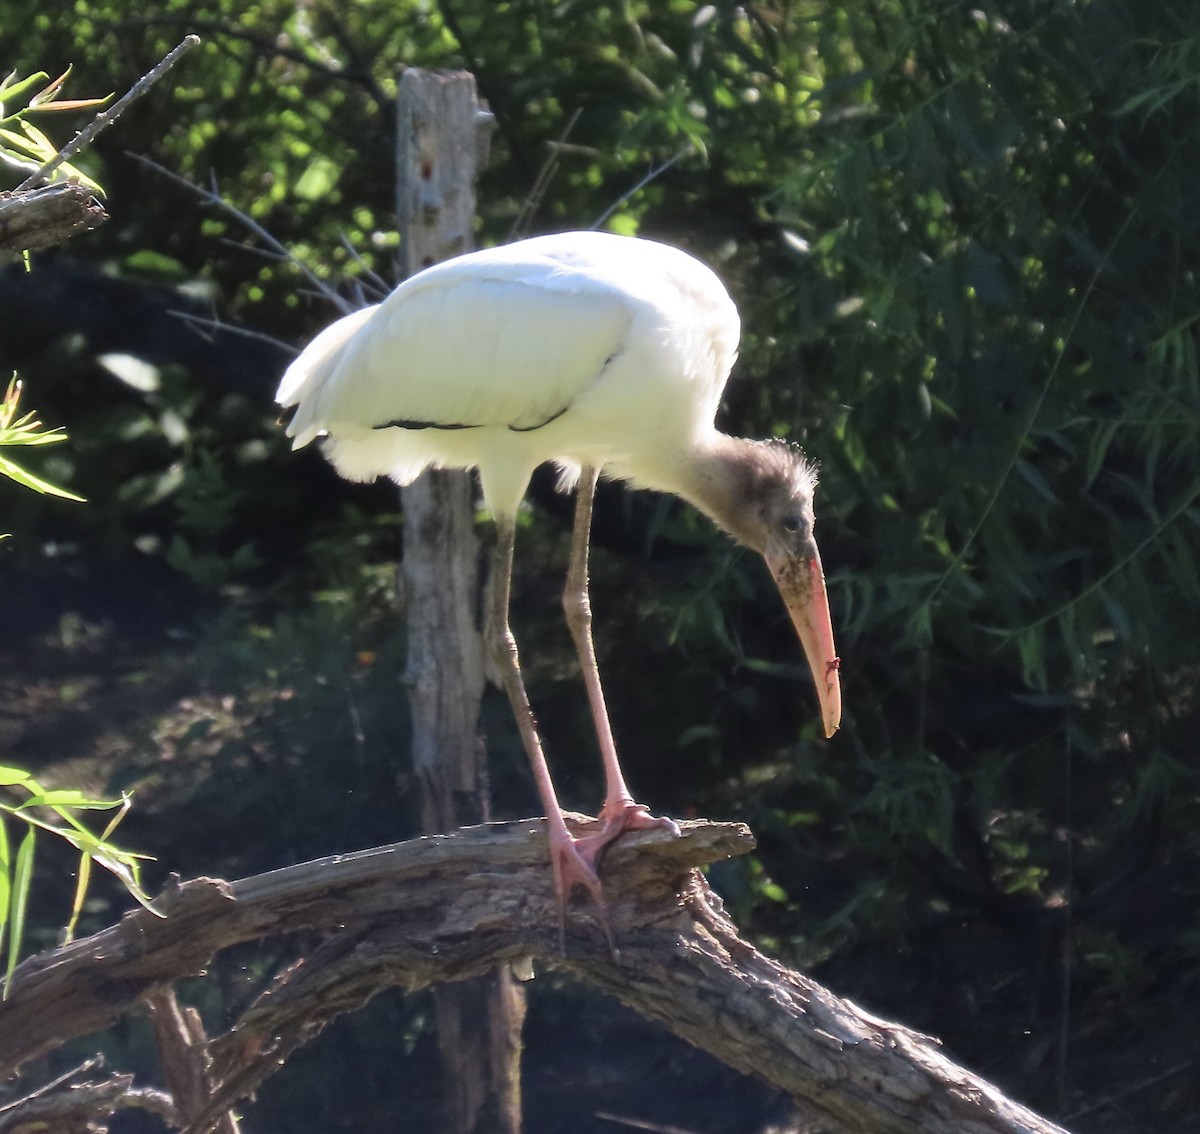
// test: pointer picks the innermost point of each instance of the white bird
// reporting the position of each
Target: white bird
(600, 353)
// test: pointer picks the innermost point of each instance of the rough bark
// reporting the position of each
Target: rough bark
(478, 1021)
(449, 907)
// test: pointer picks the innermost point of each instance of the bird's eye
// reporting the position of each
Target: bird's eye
(793, 524)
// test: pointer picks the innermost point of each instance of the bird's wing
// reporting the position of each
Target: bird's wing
(309, 372)
(510, 345)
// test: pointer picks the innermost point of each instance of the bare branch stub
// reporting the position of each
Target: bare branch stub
(45, 217)
(184, 1058)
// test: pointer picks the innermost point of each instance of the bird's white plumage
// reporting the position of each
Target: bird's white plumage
(581, 348)
(584, 349)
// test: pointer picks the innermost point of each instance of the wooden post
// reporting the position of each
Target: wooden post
(441, 142)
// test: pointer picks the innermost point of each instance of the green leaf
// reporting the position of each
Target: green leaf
(50, 90)
(69, 797)
(40, 142)
(11, 90)
(22, 876)
(27, 479)
(71, 172)
(1036, 481)
(20, 145)
(10, 776)
(318, 179)
(81, 884)
(5, 878)
(1098, 445)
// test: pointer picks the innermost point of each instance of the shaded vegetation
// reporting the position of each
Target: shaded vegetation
(963, 239)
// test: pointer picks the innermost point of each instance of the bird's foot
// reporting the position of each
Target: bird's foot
(617, 817)
(572, 867)
(575, 860)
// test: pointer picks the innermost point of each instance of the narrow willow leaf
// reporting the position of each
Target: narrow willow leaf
(81, 884)
(20, 435)
(69, 797)
(1036, 481)
(5, 879)
(1098, 448)
(66, 104)
(14, 472)
(128, 874)
(75, 837)
(115, 821)
(12, 90)
(71, 172)
(50, 90)
(62, 797)
(22, 878)
(39, 140)
(10, 776)
(23, 146)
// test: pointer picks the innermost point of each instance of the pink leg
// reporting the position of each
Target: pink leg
(570, 867)
(620, 812)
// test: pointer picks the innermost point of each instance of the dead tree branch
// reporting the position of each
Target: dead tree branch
(42, 218)
(452, 906)
(71, 1103)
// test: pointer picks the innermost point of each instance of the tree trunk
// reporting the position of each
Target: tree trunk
(479, 1020)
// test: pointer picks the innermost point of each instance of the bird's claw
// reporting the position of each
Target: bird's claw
(615, 819)
(573, 867)
(575, 861)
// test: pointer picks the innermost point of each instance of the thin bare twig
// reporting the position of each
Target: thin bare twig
(213, 197)
(107, 117)
(655, 173)
(378, 286)
(206, 328)
(87, 1067)
(641, 1124)
(266, 48)
(545, 176)
(1132, 1089)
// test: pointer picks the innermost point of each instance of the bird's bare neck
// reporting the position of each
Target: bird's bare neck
(716, 479)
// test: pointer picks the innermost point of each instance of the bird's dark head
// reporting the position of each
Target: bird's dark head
(772, 500)
(767, 504)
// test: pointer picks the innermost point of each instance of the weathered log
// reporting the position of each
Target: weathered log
(452, 906)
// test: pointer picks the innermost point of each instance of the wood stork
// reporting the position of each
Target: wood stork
(600, 353)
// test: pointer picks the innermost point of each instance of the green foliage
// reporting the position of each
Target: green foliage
(51, 810)
(23, 431)
(206, 501)
(55, 811)
(23, 146)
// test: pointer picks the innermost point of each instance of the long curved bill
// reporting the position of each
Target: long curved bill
(801, 582)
